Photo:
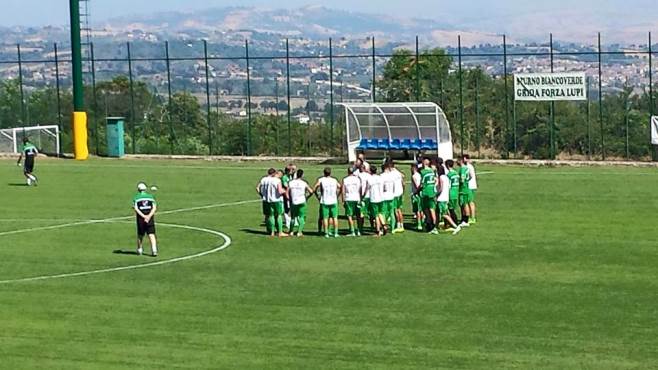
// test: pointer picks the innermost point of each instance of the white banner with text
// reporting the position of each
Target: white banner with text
(550, 86)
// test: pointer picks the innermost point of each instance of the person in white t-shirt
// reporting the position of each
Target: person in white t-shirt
(271, 191)
(398, 193)
(443, 188)
(298, 193)
(330, 189)
(362, 158)
(351, 195)
(472, 185)
(376, 194)
(261, 189)
(415, 196)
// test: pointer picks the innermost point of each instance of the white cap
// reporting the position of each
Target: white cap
(141, 187)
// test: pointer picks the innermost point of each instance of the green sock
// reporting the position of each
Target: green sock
(270, 224)
(301, 221)
(279, 224)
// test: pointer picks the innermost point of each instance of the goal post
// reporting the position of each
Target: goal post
(45, 138)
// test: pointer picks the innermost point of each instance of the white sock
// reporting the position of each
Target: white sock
(287, 218)
(154, 249)
(29, 181)
(32, 177)
(140, 250)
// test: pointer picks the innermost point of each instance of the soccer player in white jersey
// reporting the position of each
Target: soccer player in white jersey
(398, 192)
(298, 193)
(376, 194)
(261, 189)
(444, 197)
(388, 187)
(364, 175)
(329, 191)
(472, 185)
(351, 199)
(415, 196)
(274, 202)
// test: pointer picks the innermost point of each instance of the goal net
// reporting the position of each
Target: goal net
(45, 138)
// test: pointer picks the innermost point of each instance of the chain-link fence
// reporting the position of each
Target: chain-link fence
(209, 99)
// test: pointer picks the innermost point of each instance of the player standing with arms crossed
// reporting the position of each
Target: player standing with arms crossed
(329, 191)
(30, 152)
(298, 193)
(145, 207)
(351, 195)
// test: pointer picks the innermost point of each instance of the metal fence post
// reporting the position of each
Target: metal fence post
(477, 113)
(20, 83)
(506, 95)
(374, 72)
(288, 93)
(552, 128)
(417, 71)
(514, 130)
(205, 58)
(278, 120)
(461, 94)
(589, 119)
(172, 134)
(601, 98)
(132, 99)
(626, 108)
(246, 49)
(94, 97)
(652, 102)
(331, 93)
(58, 87)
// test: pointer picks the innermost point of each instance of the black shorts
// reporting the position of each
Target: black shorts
(144, 228)
(28, 167)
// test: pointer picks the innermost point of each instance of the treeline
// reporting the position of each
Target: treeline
(481, 111)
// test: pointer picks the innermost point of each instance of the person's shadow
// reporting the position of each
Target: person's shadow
(15, 184)
(128, 253)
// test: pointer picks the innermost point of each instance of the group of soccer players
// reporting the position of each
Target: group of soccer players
(374, 195)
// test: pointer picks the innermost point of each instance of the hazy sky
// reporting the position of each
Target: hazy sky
(40, 12)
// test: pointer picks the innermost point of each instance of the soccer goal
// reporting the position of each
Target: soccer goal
(417, 127)
(45, 138)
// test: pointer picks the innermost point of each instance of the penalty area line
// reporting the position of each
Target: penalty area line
(226, 244)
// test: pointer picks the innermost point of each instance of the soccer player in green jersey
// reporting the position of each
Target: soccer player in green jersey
(288, 175)
(464, 192)
(415, 197)
(145, 207)
(30, 152)
(428, 194)
(298, 193)
(453, 201)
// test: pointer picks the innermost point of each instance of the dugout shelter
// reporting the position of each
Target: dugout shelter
(403, 127)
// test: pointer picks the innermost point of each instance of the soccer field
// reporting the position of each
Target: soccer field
(561, 272)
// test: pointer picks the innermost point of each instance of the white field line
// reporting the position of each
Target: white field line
(226, 244)
(88, 222)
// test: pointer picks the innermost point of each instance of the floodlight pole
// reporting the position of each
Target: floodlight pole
(79, 117)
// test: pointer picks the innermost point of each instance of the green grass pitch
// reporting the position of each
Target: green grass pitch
(561, 272)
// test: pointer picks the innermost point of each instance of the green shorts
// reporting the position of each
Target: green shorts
(443, 208)
(453, 204)
(298, 210)
(275, 209)
(399, 202)
(365, 208)
(329, 211)
(427, 202)
(465, 198)
(376, 209)
(415, 204)
(351, 209)
(387, 207)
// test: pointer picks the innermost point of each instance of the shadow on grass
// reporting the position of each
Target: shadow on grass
(265, 233)
(15, 184)
(128, 253)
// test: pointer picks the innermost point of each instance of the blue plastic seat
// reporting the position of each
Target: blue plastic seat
(363, 144)
(372, 144)
(406, 144)
(429, 144)
(417, 144)
(383, 144)
(396, 144)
